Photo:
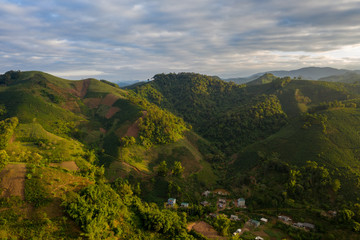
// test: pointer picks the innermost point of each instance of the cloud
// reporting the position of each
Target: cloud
(126, 40)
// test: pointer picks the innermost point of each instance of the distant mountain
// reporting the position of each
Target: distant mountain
(348, 77)
(128, 83)
(308, 73)
(266, 78)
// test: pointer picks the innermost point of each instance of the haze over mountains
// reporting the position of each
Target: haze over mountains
(308, 73)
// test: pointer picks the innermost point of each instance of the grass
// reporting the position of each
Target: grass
(32, 137)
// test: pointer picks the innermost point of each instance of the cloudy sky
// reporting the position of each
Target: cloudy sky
(130, 40)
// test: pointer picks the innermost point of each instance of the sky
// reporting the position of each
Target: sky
(121, 40)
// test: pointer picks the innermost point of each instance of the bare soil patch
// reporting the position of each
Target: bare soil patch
(133, 130)
(109, 100)
(13, 180)
(112, 112)
(92, 102)
(81, 88)
(205, 229)
(68, 165)
(72, 106)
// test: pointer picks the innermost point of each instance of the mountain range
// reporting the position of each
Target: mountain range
(87, 159)
(308, 73)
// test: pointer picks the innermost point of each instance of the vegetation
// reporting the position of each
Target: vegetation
(112, 157)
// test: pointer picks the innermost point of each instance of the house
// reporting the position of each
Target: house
(184, 205)
(241, 202)
(237, 232)
(285, 218)
(205, 203)
(220, 205)
(214, 215)
(206, 193)
(234, 218)
(254, 223)
(332, 213)
(259, 238)
(171, 202)
(264, 220)
(221, 192)
(308, 226)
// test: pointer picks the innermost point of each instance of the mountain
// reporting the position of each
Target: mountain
(277, 135)
(308, 73)
(87, 159)
(349, 77)
(68, 147)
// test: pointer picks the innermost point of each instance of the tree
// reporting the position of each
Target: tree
(222, 224)
(4, 158)
(162, 169)
(178, 169)
(2, 110)
(336, 185)
(345, 215)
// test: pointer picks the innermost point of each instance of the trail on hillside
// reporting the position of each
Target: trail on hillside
(136, 169)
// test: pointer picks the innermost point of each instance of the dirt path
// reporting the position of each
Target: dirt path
(135, 168)
(205, 229)
(13, 180)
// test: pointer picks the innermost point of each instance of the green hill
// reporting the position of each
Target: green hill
(287, 146)
(106, 133)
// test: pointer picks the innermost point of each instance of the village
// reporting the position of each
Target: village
(236, 211)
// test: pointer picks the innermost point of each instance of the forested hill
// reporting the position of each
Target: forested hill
(230, 115)
(233, 116)
(69, 147)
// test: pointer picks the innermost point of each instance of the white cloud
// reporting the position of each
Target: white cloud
(123, 40)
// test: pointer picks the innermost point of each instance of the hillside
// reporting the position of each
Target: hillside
(287, 146)
(273, 133)
(61, 132)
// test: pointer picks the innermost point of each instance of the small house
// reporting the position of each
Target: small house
(259, 238)
(171, 202)
(332, 213)
(241, 202)
(264, 220)
(220, 205)
(254, 223)
(184, 205)
(223, 201)
(308, 226)
(205, 203)
(221, 192)
(237, 231)
(284, 218)
(206, 193)
(214, 215)
(234, 218)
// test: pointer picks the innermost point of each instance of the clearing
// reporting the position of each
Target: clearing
(205, 229)
(68, 165)
(13, 180)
